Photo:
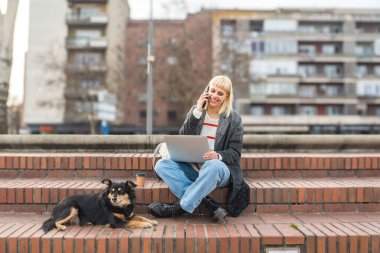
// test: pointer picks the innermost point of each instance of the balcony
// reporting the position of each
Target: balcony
(98, 19)
(86, 68)
(90, 43)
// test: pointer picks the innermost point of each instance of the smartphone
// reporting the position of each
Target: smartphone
(205, 91)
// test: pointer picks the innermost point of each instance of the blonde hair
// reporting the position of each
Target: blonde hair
(224, 83)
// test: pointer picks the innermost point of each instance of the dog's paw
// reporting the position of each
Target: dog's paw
(148, 225)
(61, 228)
(154, 223)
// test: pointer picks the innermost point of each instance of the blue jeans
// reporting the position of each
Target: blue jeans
(189, 185)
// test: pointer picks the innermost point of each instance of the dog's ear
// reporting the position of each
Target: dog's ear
(131, 184)
(107, 182)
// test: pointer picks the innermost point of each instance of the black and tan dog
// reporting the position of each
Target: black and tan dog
(114, 206)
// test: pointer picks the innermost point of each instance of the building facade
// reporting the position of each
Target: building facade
(298, 62)
(95, 60)
(182, 68)
(75, 64)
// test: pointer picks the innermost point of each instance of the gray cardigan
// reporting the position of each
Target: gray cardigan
(228, 143)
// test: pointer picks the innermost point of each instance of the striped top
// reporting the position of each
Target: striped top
(209, 129)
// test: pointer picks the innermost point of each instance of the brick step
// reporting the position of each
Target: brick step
(267, 195)
(311, 233)
(97, 165)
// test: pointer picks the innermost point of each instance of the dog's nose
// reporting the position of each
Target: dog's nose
(113, 199)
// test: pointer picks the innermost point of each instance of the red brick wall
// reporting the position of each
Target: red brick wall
(195, 33)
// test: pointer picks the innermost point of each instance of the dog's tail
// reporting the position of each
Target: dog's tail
(48, 225)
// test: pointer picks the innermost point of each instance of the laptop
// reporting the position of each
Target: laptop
(186, 148)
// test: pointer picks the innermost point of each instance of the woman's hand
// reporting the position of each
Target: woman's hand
(202, 99)
(210, 154)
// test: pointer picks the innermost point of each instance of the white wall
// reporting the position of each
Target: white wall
(47, 30)
(280, 25)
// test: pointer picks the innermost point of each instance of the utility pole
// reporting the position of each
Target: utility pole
(150, 60)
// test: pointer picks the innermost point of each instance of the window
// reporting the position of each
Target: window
(307, 29)
(273, 89)
(89, 84)
(334, 110)
(377, 111)
(364, 49)
(272, 67)
(368, 88)
(257, 110)
(308, 110)
(309, 50)
(84, 13)
(82, 107)
(256, 26)
(172, 60)
(376, 70)
(307, 70)
(328, 49)
(280, 47)
(228, 27)
(332, 70)
(87, 58)
(142, 115)
(172, 115)
(258, 47)
(332, 90)
(308, 91)
(332, 29)
(278, 110)
(361, 70)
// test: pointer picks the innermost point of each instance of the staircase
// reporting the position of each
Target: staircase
(299, 203)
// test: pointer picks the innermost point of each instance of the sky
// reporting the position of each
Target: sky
(162, 9)
(165, 9)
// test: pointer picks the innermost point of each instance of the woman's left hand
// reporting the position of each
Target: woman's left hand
(210, 154)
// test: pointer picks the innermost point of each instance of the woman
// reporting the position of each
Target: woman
(213, 117)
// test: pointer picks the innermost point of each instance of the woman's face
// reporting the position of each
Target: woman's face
(216, 97)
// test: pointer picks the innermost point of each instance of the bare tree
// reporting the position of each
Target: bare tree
(181, 86)
(189, 62)
(82, 81)
(175, 7)
(7, 24)
(234, 61)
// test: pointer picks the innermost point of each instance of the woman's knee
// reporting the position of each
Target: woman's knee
(213, 166)
(164, 165)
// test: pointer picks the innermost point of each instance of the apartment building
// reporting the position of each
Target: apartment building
(300, 62)
(75, 65)
(182, 68)
(95, 61)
